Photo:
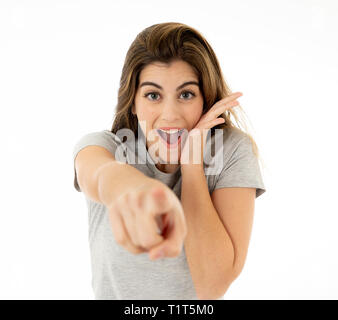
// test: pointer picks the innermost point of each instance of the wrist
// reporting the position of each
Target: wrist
(192, 168)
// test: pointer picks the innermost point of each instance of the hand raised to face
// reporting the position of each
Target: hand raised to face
(200, 131)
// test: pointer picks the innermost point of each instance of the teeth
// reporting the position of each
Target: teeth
(171, 130)
(173, 133)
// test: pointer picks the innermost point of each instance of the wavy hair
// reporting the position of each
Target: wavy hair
(166, 42)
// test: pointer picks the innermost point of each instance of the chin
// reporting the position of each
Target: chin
(168, 156)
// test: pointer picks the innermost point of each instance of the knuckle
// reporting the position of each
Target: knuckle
(122, 200)
(125, 198)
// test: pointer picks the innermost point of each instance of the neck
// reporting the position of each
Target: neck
(167, 168)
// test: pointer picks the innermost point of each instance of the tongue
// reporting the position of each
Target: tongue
(172, 138)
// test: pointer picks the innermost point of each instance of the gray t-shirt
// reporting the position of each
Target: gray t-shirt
(119, 274)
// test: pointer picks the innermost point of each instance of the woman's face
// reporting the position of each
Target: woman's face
(166, 103)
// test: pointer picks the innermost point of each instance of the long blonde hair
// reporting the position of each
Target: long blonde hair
(166, 42)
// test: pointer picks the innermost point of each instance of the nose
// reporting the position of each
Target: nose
(170, 112)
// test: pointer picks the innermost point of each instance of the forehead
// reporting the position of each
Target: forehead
(176, 70)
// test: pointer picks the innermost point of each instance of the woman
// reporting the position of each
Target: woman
(162, 225)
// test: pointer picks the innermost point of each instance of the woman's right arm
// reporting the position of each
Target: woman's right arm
(102, 178)
(137, 205)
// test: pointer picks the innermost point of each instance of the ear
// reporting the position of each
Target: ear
(133, 110)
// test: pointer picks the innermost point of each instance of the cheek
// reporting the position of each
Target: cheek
(194, 114)
(146, 118)
(144, 113)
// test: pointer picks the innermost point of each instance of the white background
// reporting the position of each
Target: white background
(60, 65)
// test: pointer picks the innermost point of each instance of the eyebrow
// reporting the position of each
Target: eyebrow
(148, 83)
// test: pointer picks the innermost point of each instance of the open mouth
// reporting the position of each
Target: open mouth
(171, 137)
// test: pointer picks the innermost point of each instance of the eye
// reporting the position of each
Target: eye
(156, 93)
(188, 93)
(151, 93)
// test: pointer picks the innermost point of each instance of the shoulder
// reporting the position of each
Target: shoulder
(233, 137)
(103, 138)
(229, 145)
(230, 141)
(112, 136)
(237, 164)
(239, 146)
(102, 134)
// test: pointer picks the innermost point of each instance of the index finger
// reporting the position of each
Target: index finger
(175, 216)
(227, 99)
(174, 234)
(156, 203)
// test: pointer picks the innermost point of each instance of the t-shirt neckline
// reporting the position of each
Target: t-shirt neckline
(150, 161)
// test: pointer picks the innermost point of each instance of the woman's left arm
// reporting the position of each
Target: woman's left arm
(219, 228)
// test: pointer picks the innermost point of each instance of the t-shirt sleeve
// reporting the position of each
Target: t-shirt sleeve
(105, 139)
(242, 169)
